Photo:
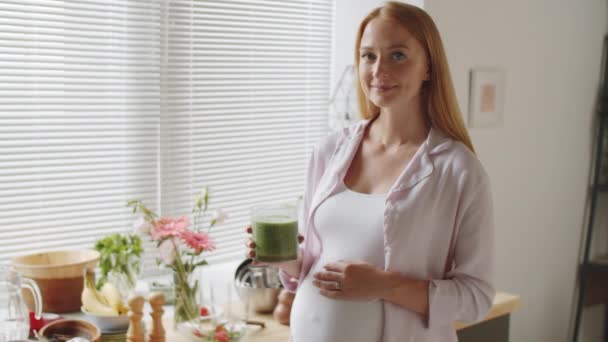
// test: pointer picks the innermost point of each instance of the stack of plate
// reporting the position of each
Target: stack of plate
(118, 336)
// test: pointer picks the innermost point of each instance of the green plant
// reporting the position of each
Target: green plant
(119, 254)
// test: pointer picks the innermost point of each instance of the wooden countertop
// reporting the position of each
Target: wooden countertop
(504, 304)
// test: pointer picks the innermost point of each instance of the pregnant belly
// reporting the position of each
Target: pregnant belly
(317, 318)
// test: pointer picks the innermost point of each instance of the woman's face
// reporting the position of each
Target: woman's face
(392, 64)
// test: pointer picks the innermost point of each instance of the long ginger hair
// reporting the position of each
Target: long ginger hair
(439, 100)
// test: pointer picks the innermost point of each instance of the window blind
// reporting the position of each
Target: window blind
(79, 119)
(95, 95)
(245, 98)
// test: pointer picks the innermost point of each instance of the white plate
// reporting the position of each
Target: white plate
(108, 324)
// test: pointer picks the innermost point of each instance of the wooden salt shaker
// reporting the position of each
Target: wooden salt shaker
(135, 332)
(157, 331)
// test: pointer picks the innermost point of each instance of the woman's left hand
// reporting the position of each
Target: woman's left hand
(350, 280)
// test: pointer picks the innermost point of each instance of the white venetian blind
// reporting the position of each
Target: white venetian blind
(79, 119)
(245, 94)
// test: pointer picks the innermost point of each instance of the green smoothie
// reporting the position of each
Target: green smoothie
(276, 238)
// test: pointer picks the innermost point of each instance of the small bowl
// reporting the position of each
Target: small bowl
(197, 332)
(108, 324)
(72, 328)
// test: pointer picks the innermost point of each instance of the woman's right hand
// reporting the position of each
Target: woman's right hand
(291, 267)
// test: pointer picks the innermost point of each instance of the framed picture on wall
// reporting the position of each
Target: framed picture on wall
(486, 97)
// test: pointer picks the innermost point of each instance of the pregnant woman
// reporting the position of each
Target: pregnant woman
(397, 214)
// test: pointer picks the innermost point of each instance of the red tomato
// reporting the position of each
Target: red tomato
(204, 311)
(222, 336)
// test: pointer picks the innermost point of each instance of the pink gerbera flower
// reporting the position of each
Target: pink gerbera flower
(169, 226)
(197, 241)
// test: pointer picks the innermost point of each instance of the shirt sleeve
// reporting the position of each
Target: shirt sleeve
(467, 292)
(313, 175)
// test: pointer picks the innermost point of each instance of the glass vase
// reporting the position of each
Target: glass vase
(185, 297)
(125, 281)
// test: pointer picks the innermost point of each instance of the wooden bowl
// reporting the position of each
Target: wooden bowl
(72, 328)
(59, 275)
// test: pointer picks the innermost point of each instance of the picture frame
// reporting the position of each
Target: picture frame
(486, 97)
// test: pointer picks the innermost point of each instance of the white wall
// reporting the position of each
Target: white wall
(539, 161)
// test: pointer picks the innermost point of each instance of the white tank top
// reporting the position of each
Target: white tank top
(350, 226)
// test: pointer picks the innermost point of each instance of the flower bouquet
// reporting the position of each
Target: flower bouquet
(180, 245)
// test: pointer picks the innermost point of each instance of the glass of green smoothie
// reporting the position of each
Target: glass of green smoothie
(275, 232)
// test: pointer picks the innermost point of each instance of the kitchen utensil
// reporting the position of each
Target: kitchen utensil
(257, 287)
(14, 315)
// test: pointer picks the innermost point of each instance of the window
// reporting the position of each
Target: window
(246, 99)
(79, 119)
(105, 101)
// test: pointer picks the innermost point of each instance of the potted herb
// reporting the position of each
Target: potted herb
(120, 261)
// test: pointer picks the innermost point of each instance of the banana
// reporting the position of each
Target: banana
(91, 303)
(106, 303)
(111, 294)
(114, 299)
(90, 284)
(123, 310)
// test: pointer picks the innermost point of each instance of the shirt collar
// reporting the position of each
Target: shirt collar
(421, 165)
(435, 142)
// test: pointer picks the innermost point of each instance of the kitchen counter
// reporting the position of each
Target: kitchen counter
(493, 328)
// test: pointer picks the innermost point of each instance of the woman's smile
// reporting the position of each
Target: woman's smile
(383, 87)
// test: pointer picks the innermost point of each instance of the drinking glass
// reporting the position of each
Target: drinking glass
(275, 232)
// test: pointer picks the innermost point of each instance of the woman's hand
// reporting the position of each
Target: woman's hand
(351, 280)
(291, 267)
